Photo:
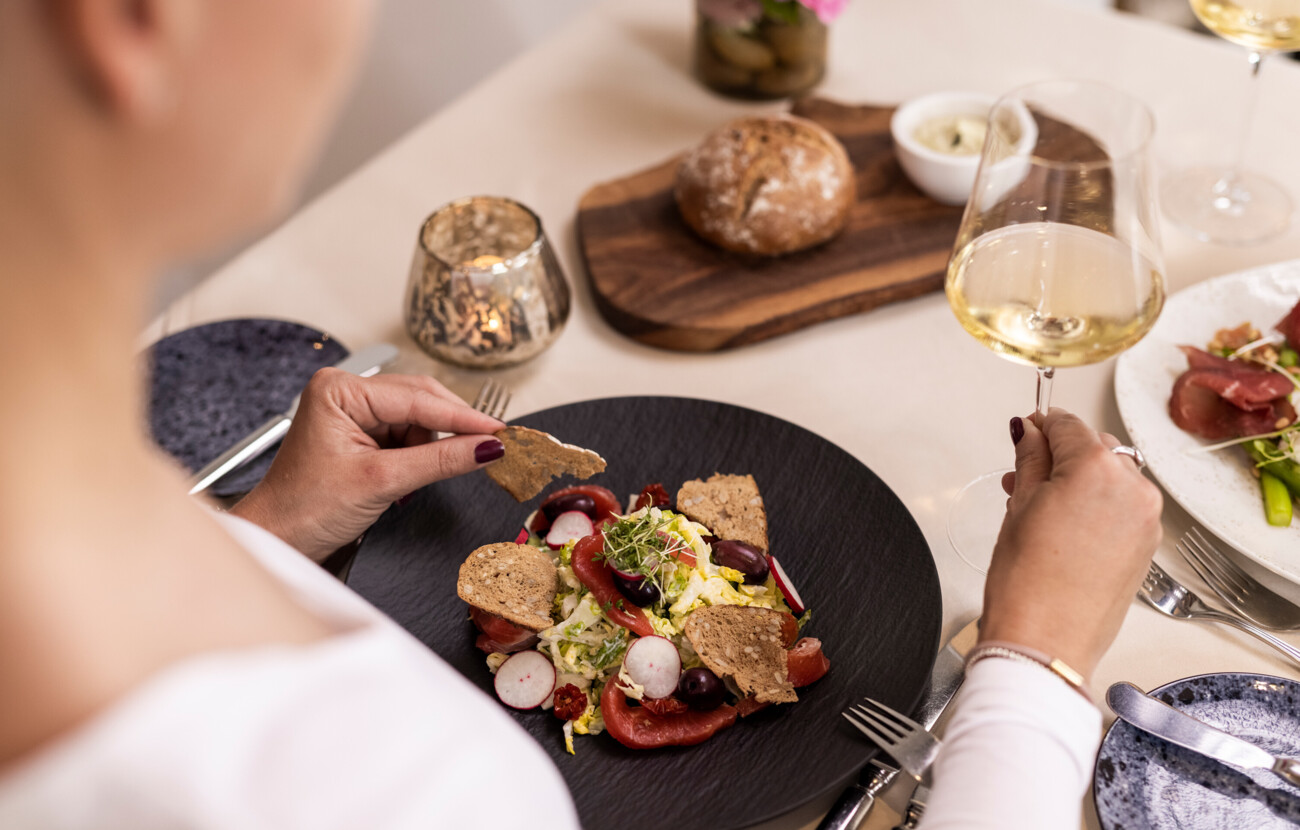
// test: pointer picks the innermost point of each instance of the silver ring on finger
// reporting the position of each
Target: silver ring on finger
(1132, 452)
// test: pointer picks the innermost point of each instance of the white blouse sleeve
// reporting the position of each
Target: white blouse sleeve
(1017, 754)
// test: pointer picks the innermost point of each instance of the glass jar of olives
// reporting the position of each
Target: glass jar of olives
(759, 48)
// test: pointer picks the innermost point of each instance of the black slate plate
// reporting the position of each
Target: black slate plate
(1142, 782)
(848, 543)
(213, 384)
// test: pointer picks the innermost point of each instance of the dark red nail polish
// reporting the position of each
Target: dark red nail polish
(404, 499)
(1017, 429)
(489, 450)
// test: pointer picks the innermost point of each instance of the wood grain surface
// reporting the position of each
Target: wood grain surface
(656, 281)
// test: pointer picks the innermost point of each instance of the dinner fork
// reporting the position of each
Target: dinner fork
(1168, 596)
(1236, 587)
(906, 741)
(492, 399)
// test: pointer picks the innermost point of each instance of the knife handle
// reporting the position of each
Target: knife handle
(855, 802)
(850, 809)
(252, 446)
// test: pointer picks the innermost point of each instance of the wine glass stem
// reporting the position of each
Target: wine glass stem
(1226, 188)
(1045, 375)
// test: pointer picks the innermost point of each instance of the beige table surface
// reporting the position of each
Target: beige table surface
(611, 93)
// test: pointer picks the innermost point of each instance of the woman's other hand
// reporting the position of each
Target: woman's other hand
(356, 446)
(1082, 524)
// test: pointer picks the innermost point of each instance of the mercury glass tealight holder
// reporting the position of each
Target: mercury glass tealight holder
(486, 290)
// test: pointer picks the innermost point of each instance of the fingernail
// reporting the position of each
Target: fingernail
(489, 450)
(1017, 429)
(404, 499)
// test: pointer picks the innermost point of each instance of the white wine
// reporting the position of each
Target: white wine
(1051, 294)
(1265, 25)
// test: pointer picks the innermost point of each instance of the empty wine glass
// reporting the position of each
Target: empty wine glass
(1232, 204)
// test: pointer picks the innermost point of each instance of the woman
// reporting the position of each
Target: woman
(167, 667)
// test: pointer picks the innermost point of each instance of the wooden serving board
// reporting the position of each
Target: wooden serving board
(659, 283)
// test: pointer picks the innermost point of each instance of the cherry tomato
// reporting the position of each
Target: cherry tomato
(639, 728)
(598, 577)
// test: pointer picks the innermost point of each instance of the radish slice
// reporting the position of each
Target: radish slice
(526, 680)
(629, 577)
(569, 526)
(783, 582)
(522, 537)
(653, 663)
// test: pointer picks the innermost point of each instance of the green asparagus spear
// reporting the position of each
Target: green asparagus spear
(1277, 500)
(1284, 469)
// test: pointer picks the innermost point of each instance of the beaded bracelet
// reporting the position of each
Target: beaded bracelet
(1023, 654)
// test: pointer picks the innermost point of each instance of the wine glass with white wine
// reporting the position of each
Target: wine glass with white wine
(1058, 261)
(1230, 203)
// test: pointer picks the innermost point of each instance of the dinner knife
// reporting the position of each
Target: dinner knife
(365, 363)
(945, 679)
(1164, 721)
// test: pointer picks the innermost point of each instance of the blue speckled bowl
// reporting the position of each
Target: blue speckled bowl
(1142, 782)
(213, 384)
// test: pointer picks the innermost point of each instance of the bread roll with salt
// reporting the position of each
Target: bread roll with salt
(766, 185)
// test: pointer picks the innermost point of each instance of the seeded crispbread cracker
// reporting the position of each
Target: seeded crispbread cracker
(516, 582)
(533, 458)
(744, 643)
(730, 506)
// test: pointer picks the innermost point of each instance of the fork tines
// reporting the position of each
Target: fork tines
(1212, 566)
(492, 399)
(881, 724)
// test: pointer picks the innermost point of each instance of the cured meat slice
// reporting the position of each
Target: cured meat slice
(1290, 326)
(640, 729)
(1239, 383)
(1195, 406)
(500, 635)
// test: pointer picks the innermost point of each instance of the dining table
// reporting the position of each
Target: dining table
(903, 387)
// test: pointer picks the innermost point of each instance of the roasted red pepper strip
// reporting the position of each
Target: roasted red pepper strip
(599, 579)
(641, 729)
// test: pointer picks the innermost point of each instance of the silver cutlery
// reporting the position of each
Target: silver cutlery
(1168, 596)
(903, 739)
(946, 677)
(915, 808)
(492, 399)
(1164, 721)
(365, 363)
(1247, 596)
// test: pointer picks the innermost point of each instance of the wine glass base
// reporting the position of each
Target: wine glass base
(1220, 205)
(975, 519)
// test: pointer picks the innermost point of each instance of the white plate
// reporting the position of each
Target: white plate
(1216, 488)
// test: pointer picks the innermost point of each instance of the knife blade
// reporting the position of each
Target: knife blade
(1164, 721)
(365, 363)
(945, 679)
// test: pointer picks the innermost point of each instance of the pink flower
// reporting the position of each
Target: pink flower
(731, 13)
(826, 10)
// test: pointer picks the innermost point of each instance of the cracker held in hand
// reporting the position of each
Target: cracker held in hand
(533, 458)
(745, 644)
(730, 506)
(516, 582)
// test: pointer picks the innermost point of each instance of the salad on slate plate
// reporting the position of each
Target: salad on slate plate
(660, 624)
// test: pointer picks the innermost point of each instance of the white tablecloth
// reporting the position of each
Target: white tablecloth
(612, 93)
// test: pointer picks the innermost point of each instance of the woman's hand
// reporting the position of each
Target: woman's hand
(356, 446)
(1082, 524)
